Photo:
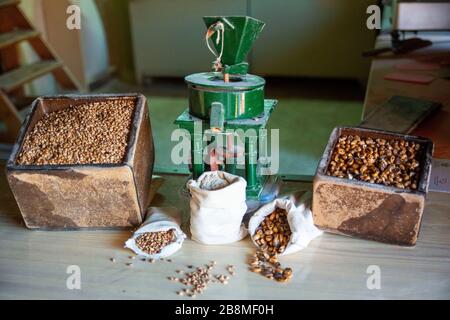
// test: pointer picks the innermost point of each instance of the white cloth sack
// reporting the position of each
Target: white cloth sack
(300, 221)
(216, 215)
(159, 219)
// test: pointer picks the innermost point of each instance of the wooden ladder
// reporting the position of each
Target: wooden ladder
(15, 28)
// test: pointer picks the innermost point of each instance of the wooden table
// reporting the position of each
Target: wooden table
(379, 90)
(33, 264)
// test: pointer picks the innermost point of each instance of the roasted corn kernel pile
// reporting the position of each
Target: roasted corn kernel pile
(272, 236)
(389, 162)
(274, 233)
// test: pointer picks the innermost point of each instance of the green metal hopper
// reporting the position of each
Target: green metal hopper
(240, 33)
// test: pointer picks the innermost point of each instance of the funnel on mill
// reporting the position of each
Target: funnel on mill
(232, 38)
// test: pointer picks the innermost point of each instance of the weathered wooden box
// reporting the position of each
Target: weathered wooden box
(85, 195)
(368, 210)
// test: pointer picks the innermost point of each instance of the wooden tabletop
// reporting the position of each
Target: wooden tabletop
(33, 264)
(379, 90)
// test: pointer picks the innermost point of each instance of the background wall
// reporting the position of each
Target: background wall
(93, 40)
(116, 20)
(315, 38)
(304, 38)
(159, 38)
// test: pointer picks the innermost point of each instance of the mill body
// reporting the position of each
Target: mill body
(227, 114)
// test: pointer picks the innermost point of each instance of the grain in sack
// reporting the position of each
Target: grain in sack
(281, 228)
(160, 234)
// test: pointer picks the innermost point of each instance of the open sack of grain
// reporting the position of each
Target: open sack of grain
(159, 236)
(217, 208)
(280, 227)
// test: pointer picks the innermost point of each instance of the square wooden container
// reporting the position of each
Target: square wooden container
(368, 210)
(87, 195)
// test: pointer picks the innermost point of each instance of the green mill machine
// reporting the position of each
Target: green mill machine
(227, 110)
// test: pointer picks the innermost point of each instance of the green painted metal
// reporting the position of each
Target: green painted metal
(229, 110)
(249, 171)
(186, 120)
(237, 104)
(238, 69)
(217, 118)
(198, 167)
(214, 80)
(240, 32)
(251, 161)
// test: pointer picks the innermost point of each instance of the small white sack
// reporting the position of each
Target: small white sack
(217, 207)
(159, 219)
(300, 221)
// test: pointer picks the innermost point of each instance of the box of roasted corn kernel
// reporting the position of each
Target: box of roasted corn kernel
(83, 161)
(372, 184)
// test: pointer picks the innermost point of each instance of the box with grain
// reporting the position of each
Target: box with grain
(83, 161)
(372, 184)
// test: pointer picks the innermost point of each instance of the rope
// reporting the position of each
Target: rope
(218, 28)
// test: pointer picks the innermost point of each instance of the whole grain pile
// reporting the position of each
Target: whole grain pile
(389, 162)
(91, 133)
(153, 242)
(196, 280)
